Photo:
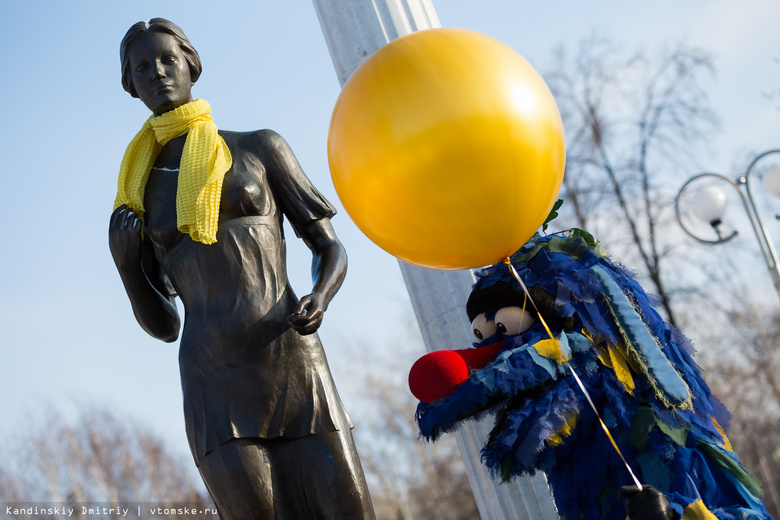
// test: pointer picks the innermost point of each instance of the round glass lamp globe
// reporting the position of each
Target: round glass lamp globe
(772, 180)
(709, 204)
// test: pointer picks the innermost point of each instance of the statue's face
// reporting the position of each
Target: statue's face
(160, 73)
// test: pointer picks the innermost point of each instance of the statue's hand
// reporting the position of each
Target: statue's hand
(647, 504)
(307, 316)
(124, 237)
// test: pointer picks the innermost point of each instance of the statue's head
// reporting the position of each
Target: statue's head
(143, 30)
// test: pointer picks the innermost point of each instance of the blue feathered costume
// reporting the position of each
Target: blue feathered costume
(638, 371)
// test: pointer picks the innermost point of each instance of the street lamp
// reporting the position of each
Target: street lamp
(709, 205)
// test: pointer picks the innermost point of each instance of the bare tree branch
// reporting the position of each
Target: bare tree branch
(626, 118)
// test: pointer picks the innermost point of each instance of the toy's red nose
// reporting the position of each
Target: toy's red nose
(437, 374)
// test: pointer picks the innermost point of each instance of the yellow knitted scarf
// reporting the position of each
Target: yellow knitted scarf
(204, 162)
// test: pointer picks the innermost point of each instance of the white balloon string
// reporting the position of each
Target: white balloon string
(576, 377)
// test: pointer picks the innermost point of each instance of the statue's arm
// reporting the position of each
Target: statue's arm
(328, 269)
(294, 190)
(155, 312)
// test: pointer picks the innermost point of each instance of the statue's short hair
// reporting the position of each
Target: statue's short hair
(160, 25)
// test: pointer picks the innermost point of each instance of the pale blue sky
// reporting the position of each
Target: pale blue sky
(67, 333)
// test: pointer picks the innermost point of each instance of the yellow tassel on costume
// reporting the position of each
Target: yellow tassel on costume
(611, 357)
(726, 442)
(564, 431)
(204, 162)
(697, 511)
(551, 349)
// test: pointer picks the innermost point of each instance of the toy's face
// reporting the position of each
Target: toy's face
(505, 324)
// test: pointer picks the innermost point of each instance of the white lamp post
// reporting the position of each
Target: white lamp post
(772, 180)
(709, 205)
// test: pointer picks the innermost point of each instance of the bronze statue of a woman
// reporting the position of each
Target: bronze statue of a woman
(199, 215)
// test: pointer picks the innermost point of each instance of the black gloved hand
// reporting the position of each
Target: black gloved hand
(647, 504)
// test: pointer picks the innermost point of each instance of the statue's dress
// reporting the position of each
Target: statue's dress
(245, 372)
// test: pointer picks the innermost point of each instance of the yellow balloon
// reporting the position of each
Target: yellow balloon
(446, 148)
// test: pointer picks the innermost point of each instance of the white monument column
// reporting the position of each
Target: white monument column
(353, 30)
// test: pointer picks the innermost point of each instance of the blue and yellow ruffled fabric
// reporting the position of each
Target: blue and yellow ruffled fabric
(640, 374)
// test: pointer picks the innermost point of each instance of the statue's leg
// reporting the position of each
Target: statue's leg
(317, 477)
(320, 478)
(238, 476)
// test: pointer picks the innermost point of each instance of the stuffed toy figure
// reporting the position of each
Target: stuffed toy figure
(587, 321)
